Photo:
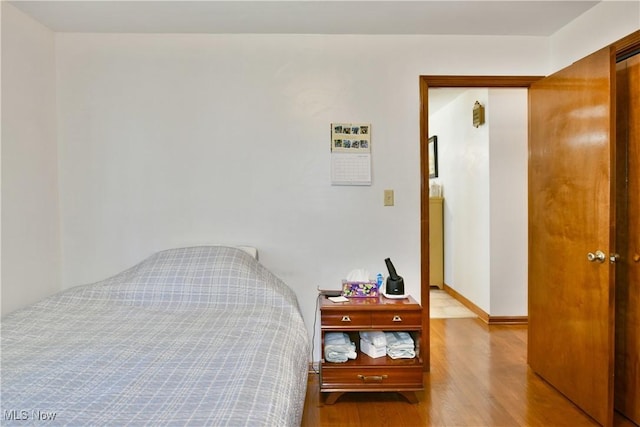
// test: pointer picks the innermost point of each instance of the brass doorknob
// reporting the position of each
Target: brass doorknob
(636, 258)
(598, 256)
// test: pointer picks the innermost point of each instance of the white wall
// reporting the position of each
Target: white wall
(30, 217)
(170, 140)
(603, 24)
(463, 172)
(483, 173)
(507, 119)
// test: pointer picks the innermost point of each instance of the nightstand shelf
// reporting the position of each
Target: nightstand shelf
(366, 373)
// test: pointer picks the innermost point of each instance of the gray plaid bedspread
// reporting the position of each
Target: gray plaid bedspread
(202, 336)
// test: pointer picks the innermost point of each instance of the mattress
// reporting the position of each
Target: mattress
(191, 336)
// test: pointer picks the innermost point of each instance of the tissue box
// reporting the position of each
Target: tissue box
(359, 289)
(371, 350)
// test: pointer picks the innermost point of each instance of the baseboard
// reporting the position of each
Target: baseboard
(483, 315)
(314, 367)
(508, 320)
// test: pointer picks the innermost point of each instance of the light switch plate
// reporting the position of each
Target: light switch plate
(388, 197)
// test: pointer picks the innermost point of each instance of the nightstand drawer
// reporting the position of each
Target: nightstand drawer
(346, 319)
(362, 378)
(396, 319)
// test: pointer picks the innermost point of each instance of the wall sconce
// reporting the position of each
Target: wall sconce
(478, 114)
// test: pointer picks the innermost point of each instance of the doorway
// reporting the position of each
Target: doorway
(427, 82)
(478, 200)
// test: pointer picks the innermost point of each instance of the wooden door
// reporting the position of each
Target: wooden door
(571, 299)
(627, 367)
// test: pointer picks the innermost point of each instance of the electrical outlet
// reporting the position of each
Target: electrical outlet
(388, 197)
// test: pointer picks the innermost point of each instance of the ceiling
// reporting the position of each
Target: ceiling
(525, 18)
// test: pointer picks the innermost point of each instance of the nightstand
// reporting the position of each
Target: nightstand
(366, 373)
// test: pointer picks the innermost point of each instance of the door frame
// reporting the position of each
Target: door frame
(443, 81)
(623, 402)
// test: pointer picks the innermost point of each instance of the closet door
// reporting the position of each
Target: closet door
(571, 210)
(627, 379)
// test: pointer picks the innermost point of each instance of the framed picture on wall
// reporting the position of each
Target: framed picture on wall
(433, 157)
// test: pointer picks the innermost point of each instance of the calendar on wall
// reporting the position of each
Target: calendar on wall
(350, 154)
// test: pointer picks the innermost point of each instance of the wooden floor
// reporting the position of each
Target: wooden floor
(479, 377)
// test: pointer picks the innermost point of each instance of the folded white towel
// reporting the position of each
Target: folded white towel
(398, 339)
(377, 338)
(336, 338)
(340, 354)
(338, 347)
(401, 354)
(400, 345)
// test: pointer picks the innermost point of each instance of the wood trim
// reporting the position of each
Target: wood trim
(424, 225)
(479, 81)
(626, 345)
(627, 45)
(483, 315)
(508, 320)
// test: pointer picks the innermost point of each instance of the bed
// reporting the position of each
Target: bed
(202, 336)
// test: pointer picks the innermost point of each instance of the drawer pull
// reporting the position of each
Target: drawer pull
(346, 318)
(397, 318)
(372, 378)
